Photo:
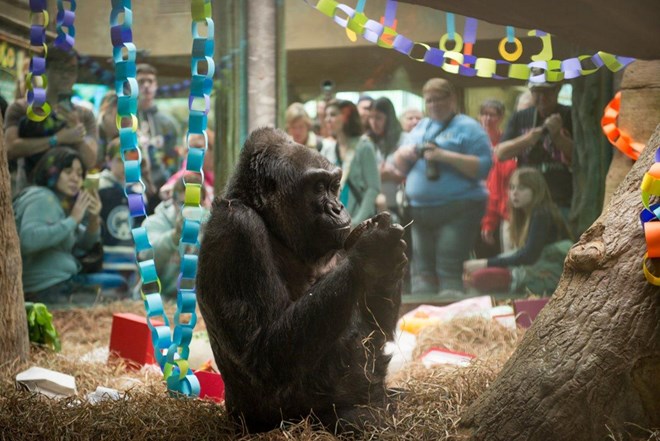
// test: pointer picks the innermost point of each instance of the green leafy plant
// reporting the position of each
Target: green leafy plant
(40, 326)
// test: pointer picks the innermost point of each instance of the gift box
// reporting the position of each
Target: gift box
(130, 339)
(526, 310)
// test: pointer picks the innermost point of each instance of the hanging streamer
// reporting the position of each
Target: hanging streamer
(65, 19)
(171, 352)
(36, 81)
(619, 138)
(389, 23)
(452, 61)
(650, 218)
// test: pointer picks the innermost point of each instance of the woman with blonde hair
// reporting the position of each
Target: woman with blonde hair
(299, 125)
(540, 237)
(445, 165)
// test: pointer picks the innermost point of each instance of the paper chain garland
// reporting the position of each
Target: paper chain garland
(464, 63)
(171, 351)
(619, 139)
(650, 218)
(38, 109)
(65, 18)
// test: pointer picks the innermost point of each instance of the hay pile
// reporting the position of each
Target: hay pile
(430, 410)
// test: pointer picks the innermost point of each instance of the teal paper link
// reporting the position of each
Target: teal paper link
(451, 25)
(148, 271)
(360, 5)
(210, 29)
(190, 232)
(195, 159)
(128, 17)
(186, 304)
(133, 86)
(132, 172)
(131, 52)
(197, 122)
(510, 34)
(141, 239)
(189, 265)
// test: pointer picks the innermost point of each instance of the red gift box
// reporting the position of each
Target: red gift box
(130, 339)
(211, 385)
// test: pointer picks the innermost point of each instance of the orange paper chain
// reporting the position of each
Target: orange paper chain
(619, 138)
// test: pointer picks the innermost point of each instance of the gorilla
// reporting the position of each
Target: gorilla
(297, 320)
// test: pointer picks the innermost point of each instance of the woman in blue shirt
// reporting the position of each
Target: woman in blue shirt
(446, 209)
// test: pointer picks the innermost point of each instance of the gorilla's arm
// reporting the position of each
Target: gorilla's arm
(267, 327)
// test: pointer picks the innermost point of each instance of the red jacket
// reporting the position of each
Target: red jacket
(498, 187)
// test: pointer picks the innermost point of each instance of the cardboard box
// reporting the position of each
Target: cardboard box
(46, 382)
(130, 339)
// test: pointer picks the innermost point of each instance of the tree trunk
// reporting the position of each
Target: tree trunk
(262, 64)
(590, 363)
(14, 342)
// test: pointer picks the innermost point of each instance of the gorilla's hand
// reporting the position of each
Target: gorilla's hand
(376, 247)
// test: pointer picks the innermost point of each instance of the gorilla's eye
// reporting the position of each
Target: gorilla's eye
(335, 187)
(319, 187)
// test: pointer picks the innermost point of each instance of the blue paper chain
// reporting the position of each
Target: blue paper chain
(66, 19)
(171, 352)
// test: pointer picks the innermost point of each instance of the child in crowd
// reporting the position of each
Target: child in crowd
(538, 233)
(56, 222)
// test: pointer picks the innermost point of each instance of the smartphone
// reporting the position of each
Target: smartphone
(91, 182)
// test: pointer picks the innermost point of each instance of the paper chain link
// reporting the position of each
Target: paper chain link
(65, 19)
(455, 62)
(618, 137)
(650, 218)
(38, 109)
(171, 351)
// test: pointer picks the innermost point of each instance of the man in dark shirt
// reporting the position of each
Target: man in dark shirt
(66, 126)
(541, 137)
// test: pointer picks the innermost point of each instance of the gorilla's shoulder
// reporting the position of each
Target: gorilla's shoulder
(232, 217)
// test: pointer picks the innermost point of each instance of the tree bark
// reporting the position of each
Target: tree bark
(590, 363)
(14, 341)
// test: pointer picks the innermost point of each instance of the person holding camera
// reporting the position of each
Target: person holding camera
(540, 137)
(445, 165)
(67, 125)
(57, 222)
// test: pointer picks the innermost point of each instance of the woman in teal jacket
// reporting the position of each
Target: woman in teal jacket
(356, 155)
(49, 218)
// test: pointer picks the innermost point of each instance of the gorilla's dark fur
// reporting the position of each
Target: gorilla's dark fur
(297, 324)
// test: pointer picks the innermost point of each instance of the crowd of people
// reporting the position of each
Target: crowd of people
(70, 195)
(487, 207)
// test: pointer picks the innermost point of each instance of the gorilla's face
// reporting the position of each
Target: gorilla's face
(328, 219)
